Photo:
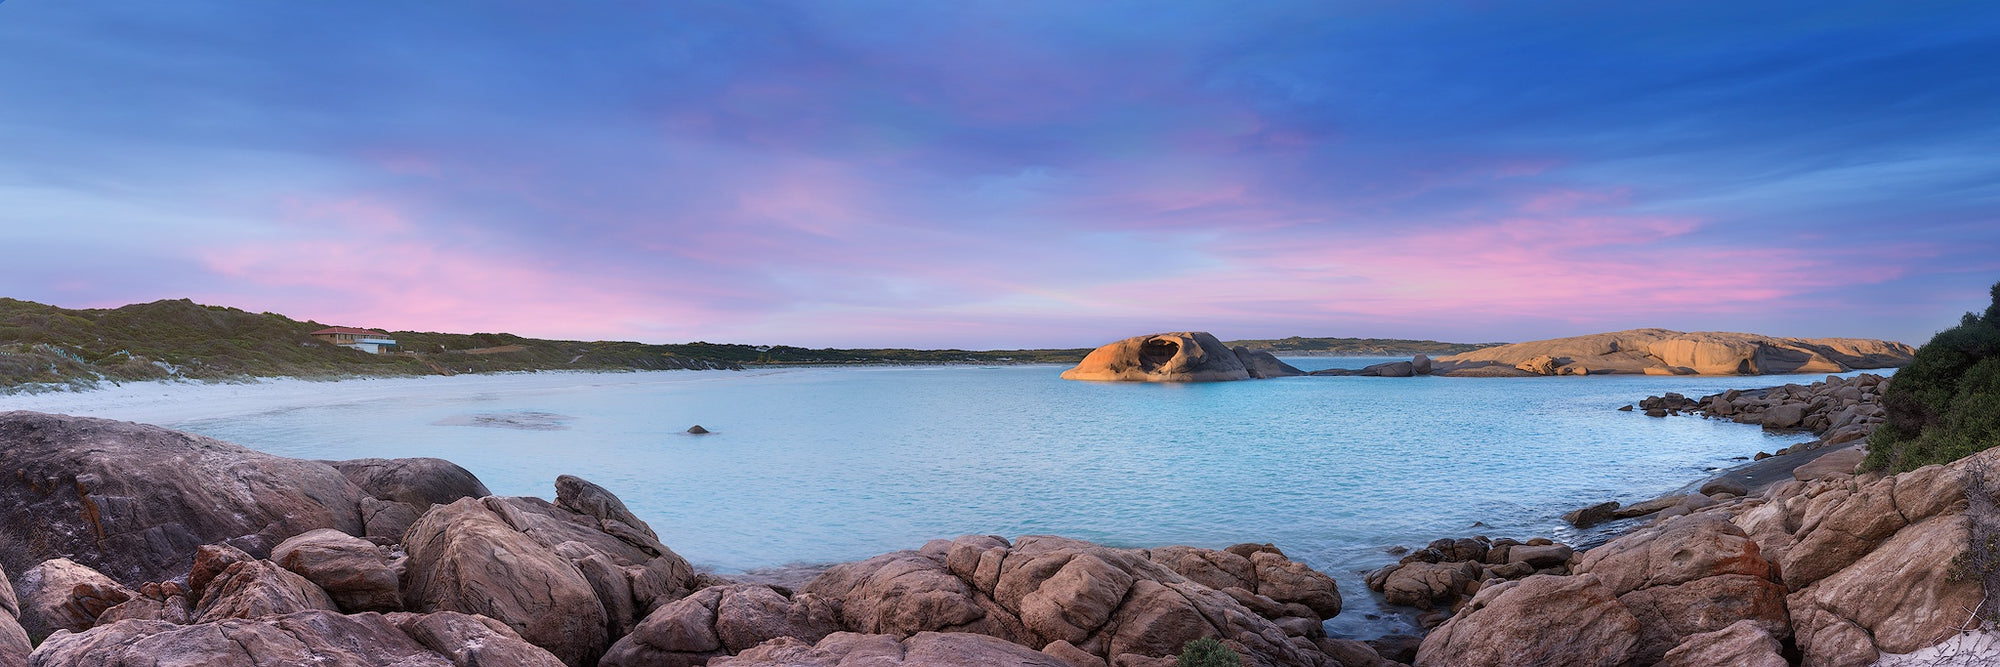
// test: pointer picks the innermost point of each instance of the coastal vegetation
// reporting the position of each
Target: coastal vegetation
(1946, 404)
(1207, 652)
(1356, 347)
(46, 345)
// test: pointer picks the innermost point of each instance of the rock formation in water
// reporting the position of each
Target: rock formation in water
(1665, 352)
(1186, 356)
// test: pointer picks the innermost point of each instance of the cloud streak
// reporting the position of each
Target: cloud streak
(1022, 174)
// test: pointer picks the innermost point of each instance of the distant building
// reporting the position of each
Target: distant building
(365, 340)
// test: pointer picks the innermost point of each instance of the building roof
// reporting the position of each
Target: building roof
(350, 330)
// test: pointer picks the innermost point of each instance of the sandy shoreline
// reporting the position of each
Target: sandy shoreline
(166, 401)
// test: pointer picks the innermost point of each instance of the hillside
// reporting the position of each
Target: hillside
(1355, 347)
(43, 344)
(48, 345)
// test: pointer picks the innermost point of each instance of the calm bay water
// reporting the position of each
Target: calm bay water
(822, 465)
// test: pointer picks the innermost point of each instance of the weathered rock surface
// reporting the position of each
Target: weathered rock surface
(60, 594)
(14, 642)
(553, 574)
(1850, 568)
(134, 501)
(1186, 356)
(1446, 573)
(358, 575)
(418, 482)
(925, 649)
(1666, 352)
(463, 557)
(303, 638)
(1540, 620)
(582, 497)
(472, 641)
(1742, 644)
(722, 620)
(400, 490)
(255, 589)
(1102, 601)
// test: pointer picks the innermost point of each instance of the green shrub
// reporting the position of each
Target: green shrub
(1945, 405)
(1207, 652)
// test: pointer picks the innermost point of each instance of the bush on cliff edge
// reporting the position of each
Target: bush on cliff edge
(1945, 405)
(1207, 652)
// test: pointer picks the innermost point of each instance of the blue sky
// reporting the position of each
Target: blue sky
(1009, 174)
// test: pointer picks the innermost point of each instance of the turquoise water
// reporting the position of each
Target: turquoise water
(821, 465)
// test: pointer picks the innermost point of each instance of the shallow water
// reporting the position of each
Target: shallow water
(830, 464)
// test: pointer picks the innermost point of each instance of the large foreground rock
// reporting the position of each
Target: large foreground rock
(134, 501)
(1540, 620)
(925, 649)
(322, 638)
(1667, 352)
(552, 574)
(1186, 356)
(1048, 591)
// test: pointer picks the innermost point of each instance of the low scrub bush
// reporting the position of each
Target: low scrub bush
(1207, 652)
(1945, 405)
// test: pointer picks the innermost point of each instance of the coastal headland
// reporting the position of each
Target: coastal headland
(1198, 356)
(44, 346)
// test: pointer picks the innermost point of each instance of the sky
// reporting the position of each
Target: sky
(1009, 174)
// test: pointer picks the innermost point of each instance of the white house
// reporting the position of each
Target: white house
(365, 340)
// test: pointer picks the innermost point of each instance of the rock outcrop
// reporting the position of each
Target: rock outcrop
(317, 637)
(1847, 567)
(553, 574)
(134, 501)
(1113, 605)
(1540, 620)
(400, 490)
(722, 620)
(1443, 576)
(355, 573)
(1186, 356)
(925, 649)
(61, 594)
(14, 642)
(1666, 352)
